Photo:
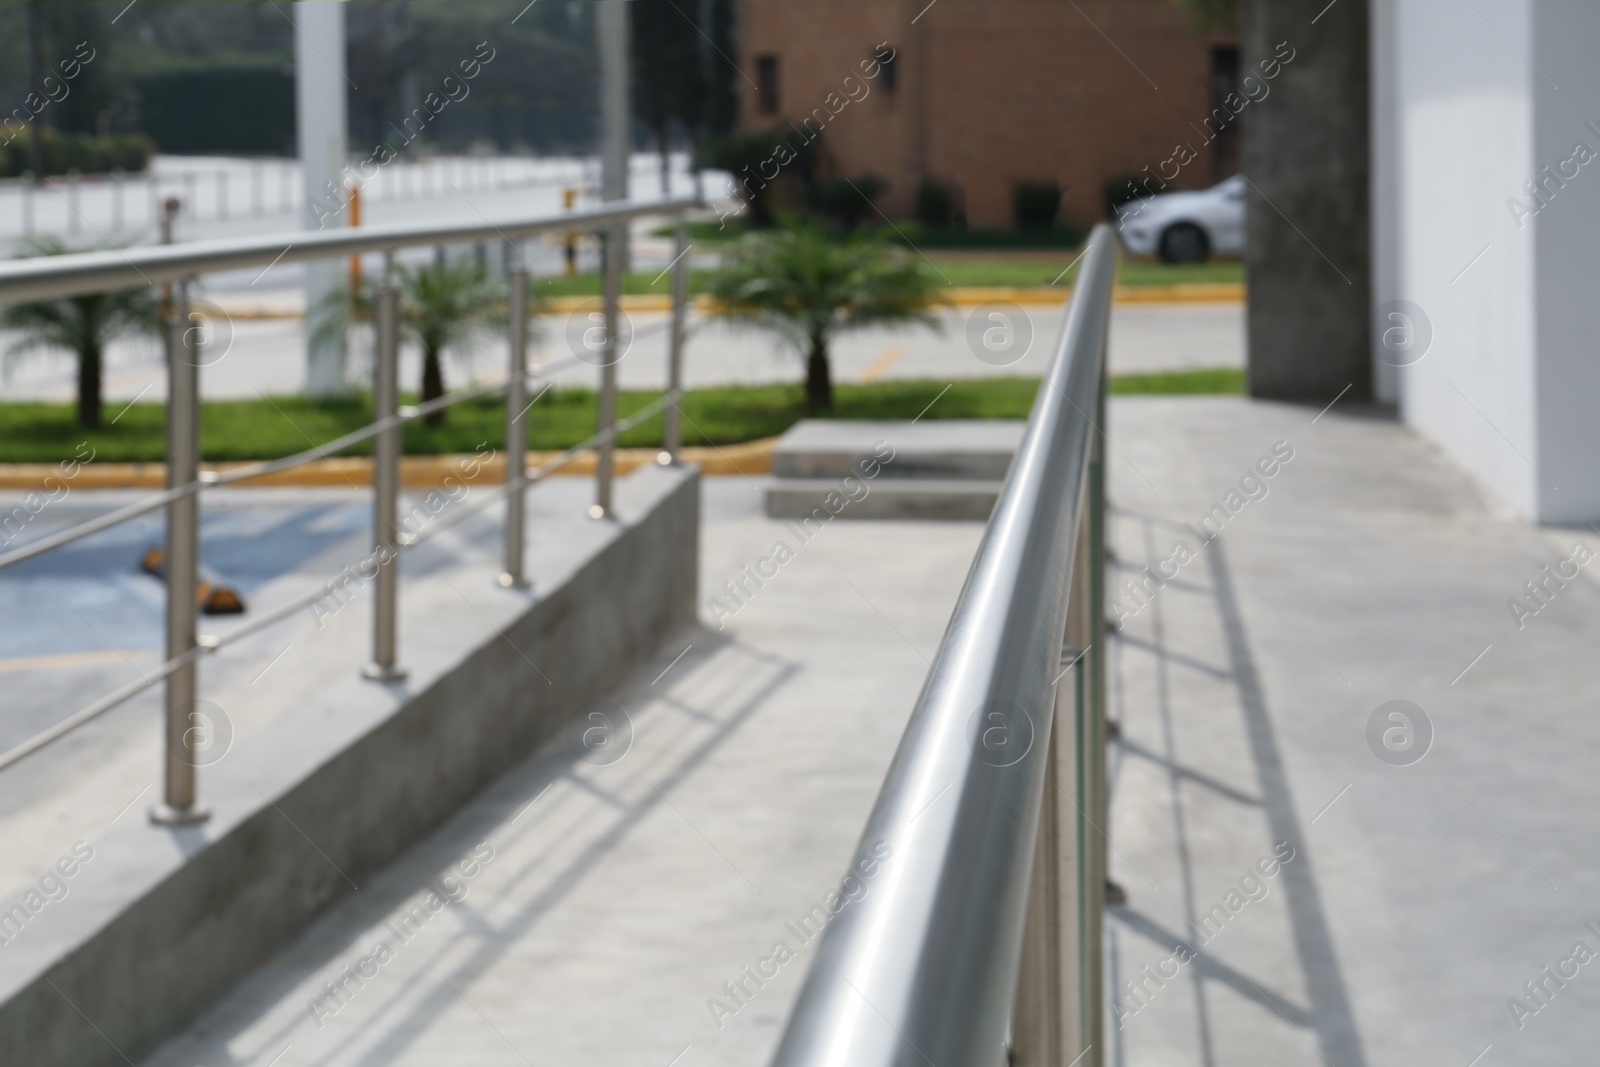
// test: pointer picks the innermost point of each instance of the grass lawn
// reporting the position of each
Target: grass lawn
(636, 284)
(966, 269)
(264, 429)
(1035, 270)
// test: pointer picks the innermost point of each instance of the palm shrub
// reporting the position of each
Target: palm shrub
(83, 325)
(807, 289)
(446, 306)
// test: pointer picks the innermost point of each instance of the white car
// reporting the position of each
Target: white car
(1186, 227)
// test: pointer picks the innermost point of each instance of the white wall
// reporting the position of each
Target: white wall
(1567, 264)
(1510, 382)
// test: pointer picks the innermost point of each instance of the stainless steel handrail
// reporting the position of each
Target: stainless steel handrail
(924, 967)
(219, 479)
(70, 275)
(214, 643)
(50, 277)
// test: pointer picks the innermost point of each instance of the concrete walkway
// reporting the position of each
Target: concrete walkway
(1300, 892)
(602, 896)
(1423, 892)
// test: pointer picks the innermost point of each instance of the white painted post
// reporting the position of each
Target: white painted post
(118, 177)
(611, 23)
(74, 204)
(321, 105)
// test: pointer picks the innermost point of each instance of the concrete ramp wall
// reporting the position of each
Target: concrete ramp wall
(341, 785)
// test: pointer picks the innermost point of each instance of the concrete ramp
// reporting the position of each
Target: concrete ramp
(597, 906)
(332, 777)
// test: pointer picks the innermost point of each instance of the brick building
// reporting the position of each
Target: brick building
(981, 96)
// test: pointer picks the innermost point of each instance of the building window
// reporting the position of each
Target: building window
(891, 72)
(767, 84)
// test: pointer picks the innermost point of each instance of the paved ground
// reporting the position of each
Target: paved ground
(85, 619)
(1418, 901)
(607, 904)
(1420, 898)
(266, 357)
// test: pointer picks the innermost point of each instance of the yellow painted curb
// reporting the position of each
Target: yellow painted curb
(416, 472)
(1056, 295)
(1187, 293)
(566, 305)
(958, 296)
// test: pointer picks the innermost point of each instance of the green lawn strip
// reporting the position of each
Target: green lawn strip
(641, 283)
(1130, 273)
(956, 271)
(1204, 381)
(266, 429)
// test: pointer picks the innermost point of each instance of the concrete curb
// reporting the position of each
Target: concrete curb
(416, 472)
(176, 917)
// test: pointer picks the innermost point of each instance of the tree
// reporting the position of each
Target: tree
(446, 307)
(723, 77)
(668, 80)
(84, 325)
(806, 289)
(682, 70)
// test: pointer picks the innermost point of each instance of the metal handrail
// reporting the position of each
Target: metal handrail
(79, 273)
(923, 968)
(218, 479)
(214, 643)
(51, 277)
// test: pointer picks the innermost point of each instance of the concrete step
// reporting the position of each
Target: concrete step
(885, 498)
(945, 450)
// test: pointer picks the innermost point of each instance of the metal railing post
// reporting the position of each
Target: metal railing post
(1053, 1021)
(1098, 807)
(1037, 1033)
(516, 422)
(672, 427)
(605, 461)
(386, 484)
(181, 560)
(1059, 1016)
(1089, 754)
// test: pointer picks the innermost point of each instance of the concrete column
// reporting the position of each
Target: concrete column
(1497, 191)
(612, 19)
(322, 129)
(611, 26)
(1385, 135)
(1306, 155)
